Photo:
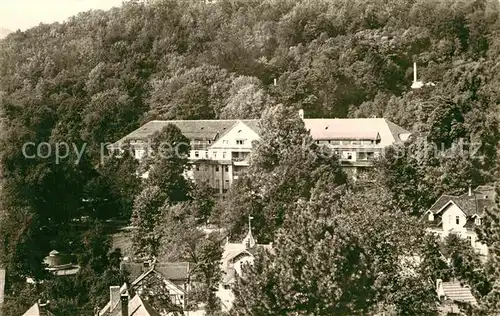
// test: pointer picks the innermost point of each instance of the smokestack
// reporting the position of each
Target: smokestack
(114, 296)
(438, 284)
(301, 114)
(124, 300)
(414, 72)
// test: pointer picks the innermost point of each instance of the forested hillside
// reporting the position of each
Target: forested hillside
(102, 74)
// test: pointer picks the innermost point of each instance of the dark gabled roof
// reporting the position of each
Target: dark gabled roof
(174, 270)
(133, 269)
(169, 270)
(441, 202)
(482, 197)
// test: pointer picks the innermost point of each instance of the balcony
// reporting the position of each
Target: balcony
(240, 159)
(356, 163)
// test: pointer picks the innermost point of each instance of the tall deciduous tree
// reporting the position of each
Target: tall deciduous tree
(169, 160)
(285, 166)
(146, 218)
(354, 259)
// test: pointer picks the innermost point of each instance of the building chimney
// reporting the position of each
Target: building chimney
(114, 296)
(414, 72)
(439, 288)
(301, 114)
(124, 301)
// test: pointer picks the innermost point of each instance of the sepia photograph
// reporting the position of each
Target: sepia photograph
(249, 157)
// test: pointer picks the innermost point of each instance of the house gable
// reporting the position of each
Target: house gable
(155, 279)
(453, 217)
(231, 139)
(240, 256)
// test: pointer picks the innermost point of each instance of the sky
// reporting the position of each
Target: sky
(23, 14)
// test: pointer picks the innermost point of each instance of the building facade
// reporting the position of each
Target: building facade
(167, 278)
(460, 215)
(234, 257)
(221, 149)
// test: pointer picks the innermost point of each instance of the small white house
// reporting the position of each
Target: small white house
(460, 215)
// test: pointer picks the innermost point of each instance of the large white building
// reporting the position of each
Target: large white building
(220, 149)
(460, 215)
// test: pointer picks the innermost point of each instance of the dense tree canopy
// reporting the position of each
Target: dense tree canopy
(285, 166)
(354, 258)
(100, 75)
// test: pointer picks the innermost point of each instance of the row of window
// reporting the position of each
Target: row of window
(224, 155)
(238, 142)
(201, 142)
(361, 155)
(197, 154)
(457, 220)
(348, 142)
(217, 184)
(217, 168)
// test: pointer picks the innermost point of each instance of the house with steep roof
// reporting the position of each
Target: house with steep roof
(234, 257)
(172, 279)
(122, 303)
(451, 293)
(461, 214)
